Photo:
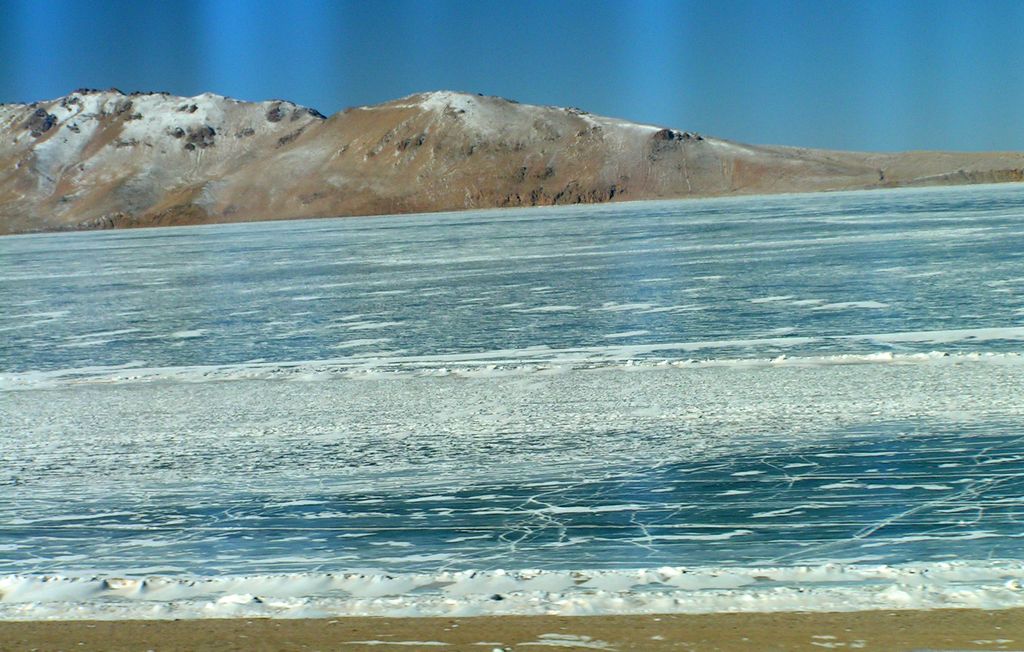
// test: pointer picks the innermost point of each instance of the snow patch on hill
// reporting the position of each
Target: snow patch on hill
(485, 116)
(603, 122)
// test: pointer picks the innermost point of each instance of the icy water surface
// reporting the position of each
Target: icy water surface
(762, 403)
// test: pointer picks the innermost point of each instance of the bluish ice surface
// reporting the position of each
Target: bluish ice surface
(655, 272)
(736, 383)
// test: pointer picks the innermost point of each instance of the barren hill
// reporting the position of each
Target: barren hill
(102, 159)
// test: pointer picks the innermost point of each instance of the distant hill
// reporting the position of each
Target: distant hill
(103, 159)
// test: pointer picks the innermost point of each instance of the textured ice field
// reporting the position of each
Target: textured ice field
(798, 402)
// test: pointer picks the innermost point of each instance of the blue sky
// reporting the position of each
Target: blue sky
(887, 75)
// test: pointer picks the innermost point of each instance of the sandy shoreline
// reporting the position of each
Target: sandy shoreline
(951, 629)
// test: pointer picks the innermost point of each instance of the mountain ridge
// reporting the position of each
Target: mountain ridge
(107, 159)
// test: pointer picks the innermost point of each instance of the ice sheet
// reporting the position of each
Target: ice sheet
(757, 404)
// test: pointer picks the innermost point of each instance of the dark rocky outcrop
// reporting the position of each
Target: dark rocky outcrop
(276, 113)
(200, 137)
(40, 122)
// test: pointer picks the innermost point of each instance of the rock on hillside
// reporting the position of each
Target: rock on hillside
(101, 159)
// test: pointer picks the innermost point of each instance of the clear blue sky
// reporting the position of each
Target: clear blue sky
(885, 75)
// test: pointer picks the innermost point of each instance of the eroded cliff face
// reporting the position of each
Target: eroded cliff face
(103, 159)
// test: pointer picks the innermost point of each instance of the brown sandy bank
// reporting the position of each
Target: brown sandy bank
(959, 629)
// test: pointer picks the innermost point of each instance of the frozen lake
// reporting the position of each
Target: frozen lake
(784, 402)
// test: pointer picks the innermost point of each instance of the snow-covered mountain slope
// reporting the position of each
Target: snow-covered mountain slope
(100, 159)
